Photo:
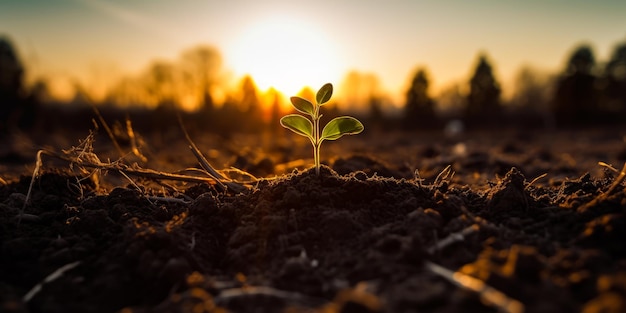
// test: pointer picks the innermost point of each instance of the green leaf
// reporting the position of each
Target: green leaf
(339, 126)
(298, 124)
(324, 94)
(303, 105)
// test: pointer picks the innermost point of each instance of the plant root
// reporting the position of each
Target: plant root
(233, 294)
(52, 277)
(452, 238)
(487, 293)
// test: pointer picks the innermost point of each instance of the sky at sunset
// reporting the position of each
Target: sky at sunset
(289, 44)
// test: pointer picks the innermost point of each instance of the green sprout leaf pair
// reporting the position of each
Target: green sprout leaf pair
(310, 127)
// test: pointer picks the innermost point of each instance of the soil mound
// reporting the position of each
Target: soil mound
(356, 242)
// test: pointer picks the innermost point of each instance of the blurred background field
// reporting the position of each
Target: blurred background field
(486, 85)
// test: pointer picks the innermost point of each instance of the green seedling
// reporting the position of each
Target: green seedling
(310, 127)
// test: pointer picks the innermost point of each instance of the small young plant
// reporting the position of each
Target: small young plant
(310, 127)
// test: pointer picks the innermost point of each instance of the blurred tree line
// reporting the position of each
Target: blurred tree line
(17, 103)
(585, 93)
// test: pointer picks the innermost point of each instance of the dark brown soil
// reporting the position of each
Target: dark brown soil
(356, 238)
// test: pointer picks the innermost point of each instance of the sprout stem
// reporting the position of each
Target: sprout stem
(317, 145)
(317, 159)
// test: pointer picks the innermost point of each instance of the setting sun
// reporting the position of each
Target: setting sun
(284, 53)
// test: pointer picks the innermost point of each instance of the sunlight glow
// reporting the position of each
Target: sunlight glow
(286, 54)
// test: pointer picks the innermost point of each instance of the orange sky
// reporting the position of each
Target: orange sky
(288, 44)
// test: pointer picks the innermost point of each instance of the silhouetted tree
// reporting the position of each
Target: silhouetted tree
(127, 92)
(451, 101)
(483, 100)
(419, 109)
(38, 94)
(160, 85)
(531, 90)
(274, 122)
(615, 77)
(250, 105)
(250, 102)
(227, 119)
(11, 85)
(575, 99)
(201, 71)
(530, 104)
(376, 117)
(358, 89)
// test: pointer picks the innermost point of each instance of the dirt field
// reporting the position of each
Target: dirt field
(518, 222)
